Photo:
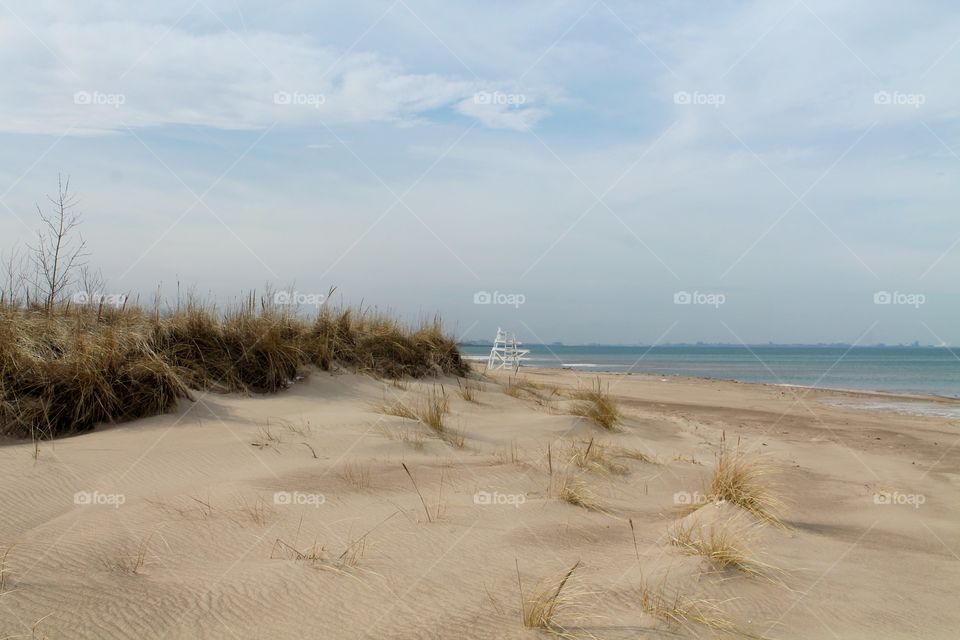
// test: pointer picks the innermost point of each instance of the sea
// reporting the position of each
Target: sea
(929, 371)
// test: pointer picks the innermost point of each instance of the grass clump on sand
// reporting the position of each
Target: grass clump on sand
(744, 480)
(598, 406)
(679, 610)
(577, 492)
(60, 374)
(549, 600)
(724, 545)
(516, 387)
(469, 390)
(595, 456)
(431, 410)
(67, 367)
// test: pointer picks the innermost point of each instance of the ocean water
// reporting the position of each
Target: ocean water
(912, 370)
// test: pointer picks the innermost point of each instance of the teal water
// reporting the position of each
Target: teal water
(914, 370)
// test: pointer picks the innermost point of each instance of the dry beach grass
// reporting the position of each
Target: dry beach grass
(67, 368)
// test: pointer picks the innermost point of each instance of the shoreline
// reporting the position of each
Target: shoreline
(874, 393)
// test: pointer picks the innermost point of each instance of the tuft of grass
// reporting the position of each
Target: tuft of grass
(431, 410)
(598, 406)
(356, 474)
(258, 511)
(577, 492)
(745, 481)
(550, 599)
(679, 610)
(469, 390)
(724, 546)
(411, 437)
(398, 409)
(632, 454)
(591, 455)
(516, 387)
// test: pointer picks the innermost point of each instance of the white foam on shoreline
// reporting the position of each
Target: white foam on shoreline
(902, 407)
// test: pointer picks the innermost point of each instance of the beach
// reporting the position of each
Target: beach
(315, 512)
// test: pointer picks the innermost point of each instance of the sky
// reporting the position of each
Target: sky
(594, 171)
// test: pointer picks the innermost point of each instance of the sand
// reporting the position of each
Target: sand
(292, 516)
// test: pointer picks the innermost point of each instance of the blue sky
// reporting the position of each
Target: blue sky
(790, 159)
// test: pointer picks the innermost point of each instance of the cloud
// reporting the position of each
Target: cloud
(500, 110)
(97, 78)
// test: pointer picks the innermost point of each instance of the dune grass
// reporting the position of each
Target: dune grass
(591, 455)
(679, 610)
(597, 406)
(575, 491)
(430, 409)
(550, 599)
(398, 409)
(412, 437)
(745, 481)
(725, 546)
(469, 390)
(258, 512)
(67, 368)
(356, 474)
(517, 387)
(433, 408)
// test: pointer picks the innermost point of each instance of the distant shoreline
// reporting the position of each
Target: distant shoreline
(715, 345)
(843, 392)
(902, 371)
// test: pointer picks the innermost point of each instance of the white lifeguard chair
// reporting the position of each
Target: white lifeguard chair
(506, 352)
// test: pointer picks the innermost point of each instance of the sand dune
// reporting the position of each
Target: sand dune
(292, 516)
